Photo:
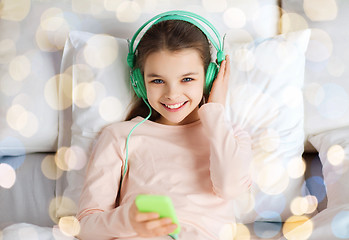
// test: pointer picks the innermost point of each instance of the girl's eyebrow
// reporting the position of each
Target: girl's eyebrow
(154, 75)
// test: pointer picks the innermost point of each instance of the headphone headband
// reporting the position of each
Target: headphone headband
(184, 16)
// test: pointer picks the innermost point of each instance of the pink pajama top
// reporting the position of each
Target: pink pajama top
(202, 166)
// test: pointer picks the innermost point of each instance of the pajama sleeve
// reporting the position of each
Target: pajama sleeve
(230, 152)
(98, 216)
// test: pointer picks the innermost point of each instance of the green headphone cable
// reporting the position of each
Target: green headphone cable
(128, 137)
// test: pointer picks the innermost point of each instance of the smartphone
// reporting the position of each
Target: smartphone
(160, 204)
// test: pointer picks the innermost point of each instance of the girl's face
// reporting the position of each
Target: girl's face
(174, 83)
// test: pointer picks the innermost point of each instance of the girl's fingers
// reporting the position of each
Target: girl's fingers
(142, 217)
(151, 225)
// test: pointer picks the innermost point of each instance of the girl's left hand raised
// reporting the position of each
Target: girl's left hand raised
(220, 84)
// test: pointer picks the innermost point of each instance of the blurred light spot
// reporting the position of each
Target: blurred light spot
(244, 59)
(49, 168)
(335, 103)
(320, 46)
(233, 17)
(20, 68)
(60, 159)
(7, 50)
(31, 127)
(17, 117)
(64, 204)
(269, 140)
(227, 231)
(273, 179)
(64, 82)
(52, 19)
(303, 205)
(320, 10)
(93, 7)
(214, 6)
(7, 176)
(111, 109)
(43, 41)
(297, 228)
(335, 155)
(292, 22)
(242, 232)
(69, 225)
(336, 67)
(9, 87)
(292, 97)
(75, 158)
(296, 167)
(128, 11)
(340, 225)
(265, 16)
(84, 95)
(317, 187)
(237, 36)
(82, 73)
(101, 51)
(268, 229)
(111, 5)
(27, 233)
(14, 10)
(314, 93)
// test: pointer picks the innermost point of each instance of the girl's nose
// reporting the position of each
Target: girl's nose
(172, 92)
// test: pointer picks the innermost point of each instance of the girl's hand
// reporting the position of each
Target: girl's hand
(149, 224)
(220, 84)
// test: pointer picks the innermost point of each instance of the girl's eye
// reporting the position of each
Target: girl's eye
(187, 79)
(157, 81)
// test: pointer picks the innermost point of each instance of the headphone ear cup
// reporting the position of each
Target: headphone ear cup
(139, 81)
(211, 73)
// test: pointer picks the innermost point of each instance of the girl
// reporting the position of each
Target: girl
(187, 150)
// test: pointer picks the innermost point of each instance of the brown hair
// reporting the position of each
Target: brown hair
(172, 35)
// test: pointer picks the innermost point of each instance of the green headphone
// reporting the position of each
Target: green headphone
(136, 76)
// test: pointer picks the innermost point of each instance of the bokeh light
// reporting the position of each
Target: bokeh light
(242, 232)
(227, 231)
(111, 109)
(273, 178)
(269, 140)
(292, 22)
(128, 11)
(7, 175)
(297, 228)
(244, 59)
(320, 46)
(214, 6)
(303, 205)
(64, 81)
(320, 10)
(268, 229)
(84, 95)
(65, 205)
(296, 167)
(49, 168)
(314, 93)
(20, 68)
(340, 225)
(234, 17)
(335, 155)
(263, 203)
(70, 158)
(317, 187)
(101, 51)
(69, 225)
(17, 117)
(15, 10)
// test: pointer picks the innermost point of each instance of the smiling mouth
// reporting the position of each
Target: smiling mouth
(174, 107)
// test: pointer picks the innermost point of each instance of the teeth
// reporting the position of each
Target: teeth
(175, 105)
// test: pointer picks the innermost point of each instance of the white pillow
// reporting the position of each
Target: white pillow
(265, 98)
(326, 85)
(333, 148)
(94, 66)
